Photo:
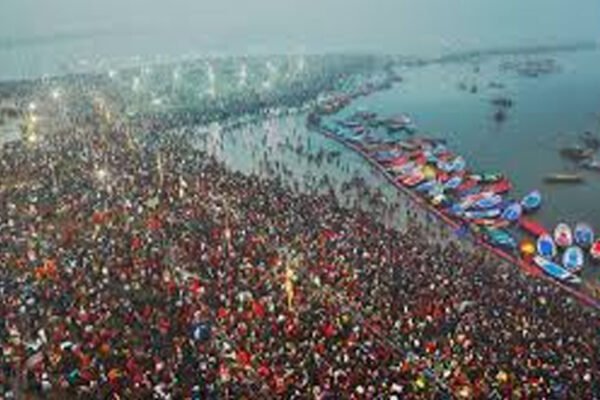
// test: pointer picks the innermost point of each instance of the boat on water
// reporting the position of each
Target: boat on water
(487, 202)
(554, 270)
(546, 246)
(413, 179)
(399, 123)
(456, 210)
(531, 201)
(577, 153)
(563, 235)
(595, 250)
(385, 156)
(467, 185)
(402, 169)
(487, 177)
(426, 186)
(563, 178)
(471, 199)
(584, 235)
(459, 164)
(500, 238)
(453, 182)
(500, 187)
(483, 214)
(491, 222)
(398, 161)
(592, 165)
(512, 212)
(573, 259)
(532, 227)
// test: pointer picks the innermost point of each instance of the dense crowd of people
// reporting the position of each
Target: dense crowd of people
(137, 269)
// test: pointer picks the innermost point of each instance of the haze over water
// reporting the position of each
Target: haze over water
(46, 36)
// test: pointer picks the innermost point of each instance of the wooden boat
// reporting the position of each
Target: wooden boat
(481, 214)
(459, 164)
(563, 235)
(402, 169)
(487, 177)
(487, 202)
(595, 250)
(532, 227)
(531, 201)
(468, 184)
(577, 153)
(500, 238)
(456, 209)
(426, 186)
(555, 271)
(502, 186)
(563, 178)
(413, 179)
(573, 259)
(513, 212)
(592, 165)
(453, 182)
(584, 235)
(398, 161)
(492, 223)
(546, 246)
(471, 199)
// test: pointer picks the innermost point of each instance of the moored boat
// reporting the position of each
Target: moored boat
(592, 165)
(584, 235)
(595, 250)
(555, 271)
(532, 201)
(502, 186)
(426, 186)
(487, 177)
(491, 222)
(413, 179)
(403, 169)
(468, 201)
(513, 212)
(546, 246)
(482, 214)
(532, 227)
(453, 182)
(468, 184)
(563, 178)
(398, 161)
(488, 202)
(573, 258)
(500, 238)
(563, 235)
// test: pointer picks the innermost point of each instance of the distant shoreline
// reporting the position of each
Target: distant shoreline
(406, 60)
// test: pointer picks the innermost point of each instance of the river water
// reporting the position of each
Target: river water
(549, 112)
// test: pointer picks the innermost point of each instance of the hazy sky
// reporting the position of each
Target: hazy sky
(240, 26)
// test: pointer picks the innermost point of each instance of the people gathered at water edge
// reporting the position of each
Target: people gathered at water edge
(138, 270)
